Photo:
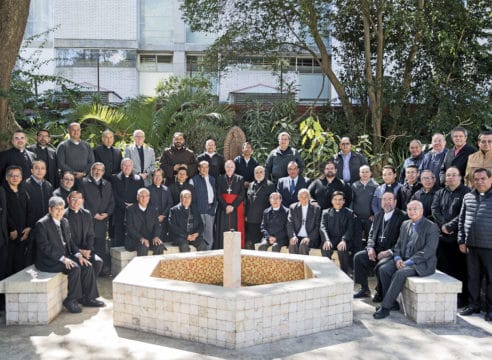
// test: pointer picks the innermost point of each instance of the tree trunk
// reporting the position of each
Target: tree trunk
(13, 20)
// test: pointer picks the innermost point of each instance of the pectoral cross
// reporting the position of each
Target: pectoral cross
(229, 190)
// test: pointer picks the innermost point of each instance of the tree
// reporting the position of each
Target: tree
(13, 20)
(386, 48)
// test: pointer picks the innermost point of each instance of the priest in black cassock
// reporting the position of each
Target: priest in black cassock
(230, 214)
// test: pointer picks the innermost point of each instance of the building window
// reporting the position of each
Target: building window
(91, 58)
(156, 22)
(155, 62)
(194, 64)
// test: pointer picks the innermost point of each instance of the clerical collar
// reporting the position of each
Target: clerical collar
(42, 147)
(75, 211)
(275, 209)
(39, 182)
(75, 142)
(211, 154)
(141, 208)
(388, 215)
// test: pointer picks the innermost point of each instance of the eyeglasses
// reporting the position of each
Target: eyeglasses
(14, 175)
(486, 142)
(65, 179)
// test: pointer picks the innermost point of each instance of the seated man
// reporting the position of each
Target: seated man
(337, 224)
(273, 225)
(186, 225)
(56, 252)
(143, 229)
(303, 224)
(382, 237)
(82, 229)
(413, 255)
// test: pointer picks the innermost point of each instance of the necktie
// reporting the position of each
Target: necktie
(60, 233)
(292, 187)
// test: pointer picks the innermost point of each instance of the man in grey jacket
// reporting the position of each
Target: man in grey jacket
(475, 239)
(413, 255)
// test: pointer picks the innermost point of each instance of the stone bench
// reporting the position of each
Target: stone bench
(431, 299)
(121, 257)
(312, 252)
(33, 297)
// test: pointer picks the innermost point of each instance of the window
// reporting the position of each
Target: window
(156, 22)
(91, 57)
(155, 62)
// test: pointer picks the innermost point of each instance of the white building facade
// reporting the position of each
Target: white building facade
(127, 46)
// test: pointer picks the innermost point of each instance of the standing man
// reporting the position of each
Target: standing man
(336, 231)
(125, 186)
(413, 255)
(67, 184)
(382, 237)
(362, 191)
(230, 194)
(303, 223)
(416, 157)
(482, 158)
(206, 200)
(289, 186)
(177, 156)
(410, 186)
(4, 242)
(99, 200)
(279, 158)
(321, 189)
(215, 160)
(274, 225)
(107, 154)
(185, 224)
(348, 162)
(446, 207)
(475, 239)
(82, 229)
(433, 159)
(390, 185)
(256, 202)
(246, 164)
(179, 185)
(17, 155)
(458, 154)
(56, 252)
(143, 230)
(39, 190)
(45, 152)
(75, 155)
(143, 157)
(426, 193)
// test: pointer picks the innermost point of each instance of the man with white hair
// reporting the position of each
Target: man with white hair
(143, 157)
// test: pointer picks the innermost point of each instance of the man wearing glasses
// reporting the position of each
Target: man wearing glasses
(348, 162)
(482, 158)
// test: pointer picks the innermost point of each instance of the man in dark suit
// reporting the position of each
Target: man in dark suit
(458, 155)
(382, 237)
(108, 155)
(303, 224)
(99, 200)
(56, 252)
(45, 152)
(125, 186)
(4, 237)
(143, 229)
(289, 186)
(215, 160)
(186, 225)
(322, 188)
(82, 229)
(161, 200)
(273, 226)
(348, 162)
(413, 255)
(39, 189)
(17, 155)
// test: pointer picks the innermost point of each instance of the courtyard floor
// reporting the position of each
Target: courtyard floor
(91, 335)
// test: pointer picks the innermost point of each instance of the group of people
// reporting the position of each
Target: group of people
(59, 208)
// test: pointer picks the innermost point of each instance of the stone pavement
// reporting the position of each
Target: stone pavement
(91, 335)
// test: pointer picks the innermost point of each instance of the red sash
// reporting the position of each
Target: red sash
(229, 198)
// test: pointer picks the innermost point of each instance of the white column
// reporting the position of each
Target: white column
(232, 259)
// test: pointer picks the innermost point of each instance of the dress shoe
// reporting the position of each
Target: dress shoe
(72, 307)
(381, 313)
(93, 303)
(362, 293)
(469, 310)
(488, 316)
(395, 307)
(377, 298)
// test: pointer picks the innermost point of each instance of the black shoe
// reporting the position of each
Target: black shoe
(93, 303)
(72, 307)
(469, 310)
(381, 313)
(104, 274)
(362, 293)
(395, 307)
(377, 298)
(488, 316)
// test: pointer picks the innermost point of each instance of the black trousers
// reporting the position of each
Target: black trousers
(119, 228)
(276, 246)
(301, 249)
(363, 266)
(184, 245)
(143, 250)
(253, 234)
(361, 231)
(451, 261)
(18, 255)
(479, 261)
